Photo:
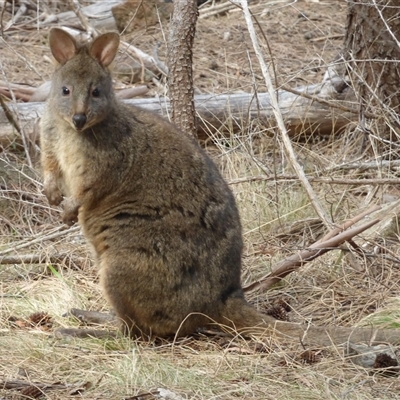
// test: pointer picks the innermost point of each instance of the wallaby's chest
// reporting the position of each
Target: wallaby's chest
(76, 162)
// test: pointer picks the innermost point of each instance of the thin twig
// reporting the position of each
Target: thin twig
(278, 115)
(26, 62)
(216, 10)
(348, 223)
(328, 37)
(22, 135)
(2, 17)
(394, 38)
(9, 115)
(295, 261)
(330, 181)
(19, 384)
(60, 231)
(363, 166)
(35, 258)
(326, 102)
(76, 7)
(149, 62)
(21, 11)
(132, 18)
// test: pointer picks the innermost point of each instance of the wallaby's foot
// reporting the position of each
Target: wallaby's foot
(70, 211)
(94, 317)
(90, 317)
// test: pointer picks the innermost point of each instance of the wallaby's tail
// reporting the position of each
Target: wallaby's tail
(241, 316)
(320, 335)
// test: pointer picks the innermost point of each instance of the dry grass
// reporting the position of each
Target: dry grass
(338, 288)
(330, 290)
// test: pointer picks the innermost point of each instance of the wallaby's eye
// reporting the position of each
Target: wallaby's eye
(65, 91)
(96, 92)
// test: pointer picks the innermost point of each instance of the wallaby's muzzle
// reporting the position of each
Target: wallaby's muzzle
(79, 121)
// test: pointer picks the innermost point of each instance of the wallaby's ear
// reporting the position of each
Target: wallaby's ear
(62, 45)
(104, 48)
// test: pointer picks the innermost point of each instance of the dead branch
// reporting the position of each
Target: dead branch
(98, 14)
(285, 267)
(59, 231)
(347, 224)
(357, 182)
(84, 333)
(329, 103)
(36, 258)
(321, 246)
(21, 11)
(21, 92)
(135, 91)
(76, 7)
(9, 115)
(216, 9)
(18, 384)
(145, 59)
(364, 166)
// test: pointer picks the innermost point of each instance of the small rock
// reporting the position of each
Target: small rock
(373, 357)
(309, 35)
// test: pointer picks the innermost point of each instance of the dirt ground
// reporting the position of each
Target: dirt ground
(302, 37)
(52, 270)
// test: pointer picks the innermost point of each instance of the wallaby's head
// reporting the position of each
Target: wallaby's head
(81, 89)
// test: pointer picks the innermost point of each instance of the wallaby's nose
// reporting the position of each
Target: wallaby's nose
(79, 120)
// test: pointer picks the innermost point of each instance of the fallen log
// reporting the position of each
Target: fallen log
(99, 15)
(225, 114)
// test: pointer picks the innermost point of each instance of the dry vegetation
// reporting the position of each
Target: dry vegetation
(51, 270)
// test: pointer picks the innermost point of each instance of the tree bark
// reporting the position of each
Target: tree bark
(180, 76)
(372, 49)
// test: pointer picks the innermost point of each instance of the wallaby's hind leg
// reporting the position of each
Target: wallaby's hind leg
(240, 315)
(247, 320)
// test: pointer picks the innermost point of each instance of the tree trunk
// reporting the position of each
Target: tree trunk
(372, 50)
(180, 77)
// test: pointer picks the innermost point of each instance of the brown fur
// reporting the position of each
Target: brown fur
(163, 223)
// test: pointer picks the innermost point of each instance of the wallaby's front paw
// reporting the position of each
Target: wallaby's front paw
(54, 195)
(69, 218)
(51, 190)
(70, 212)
